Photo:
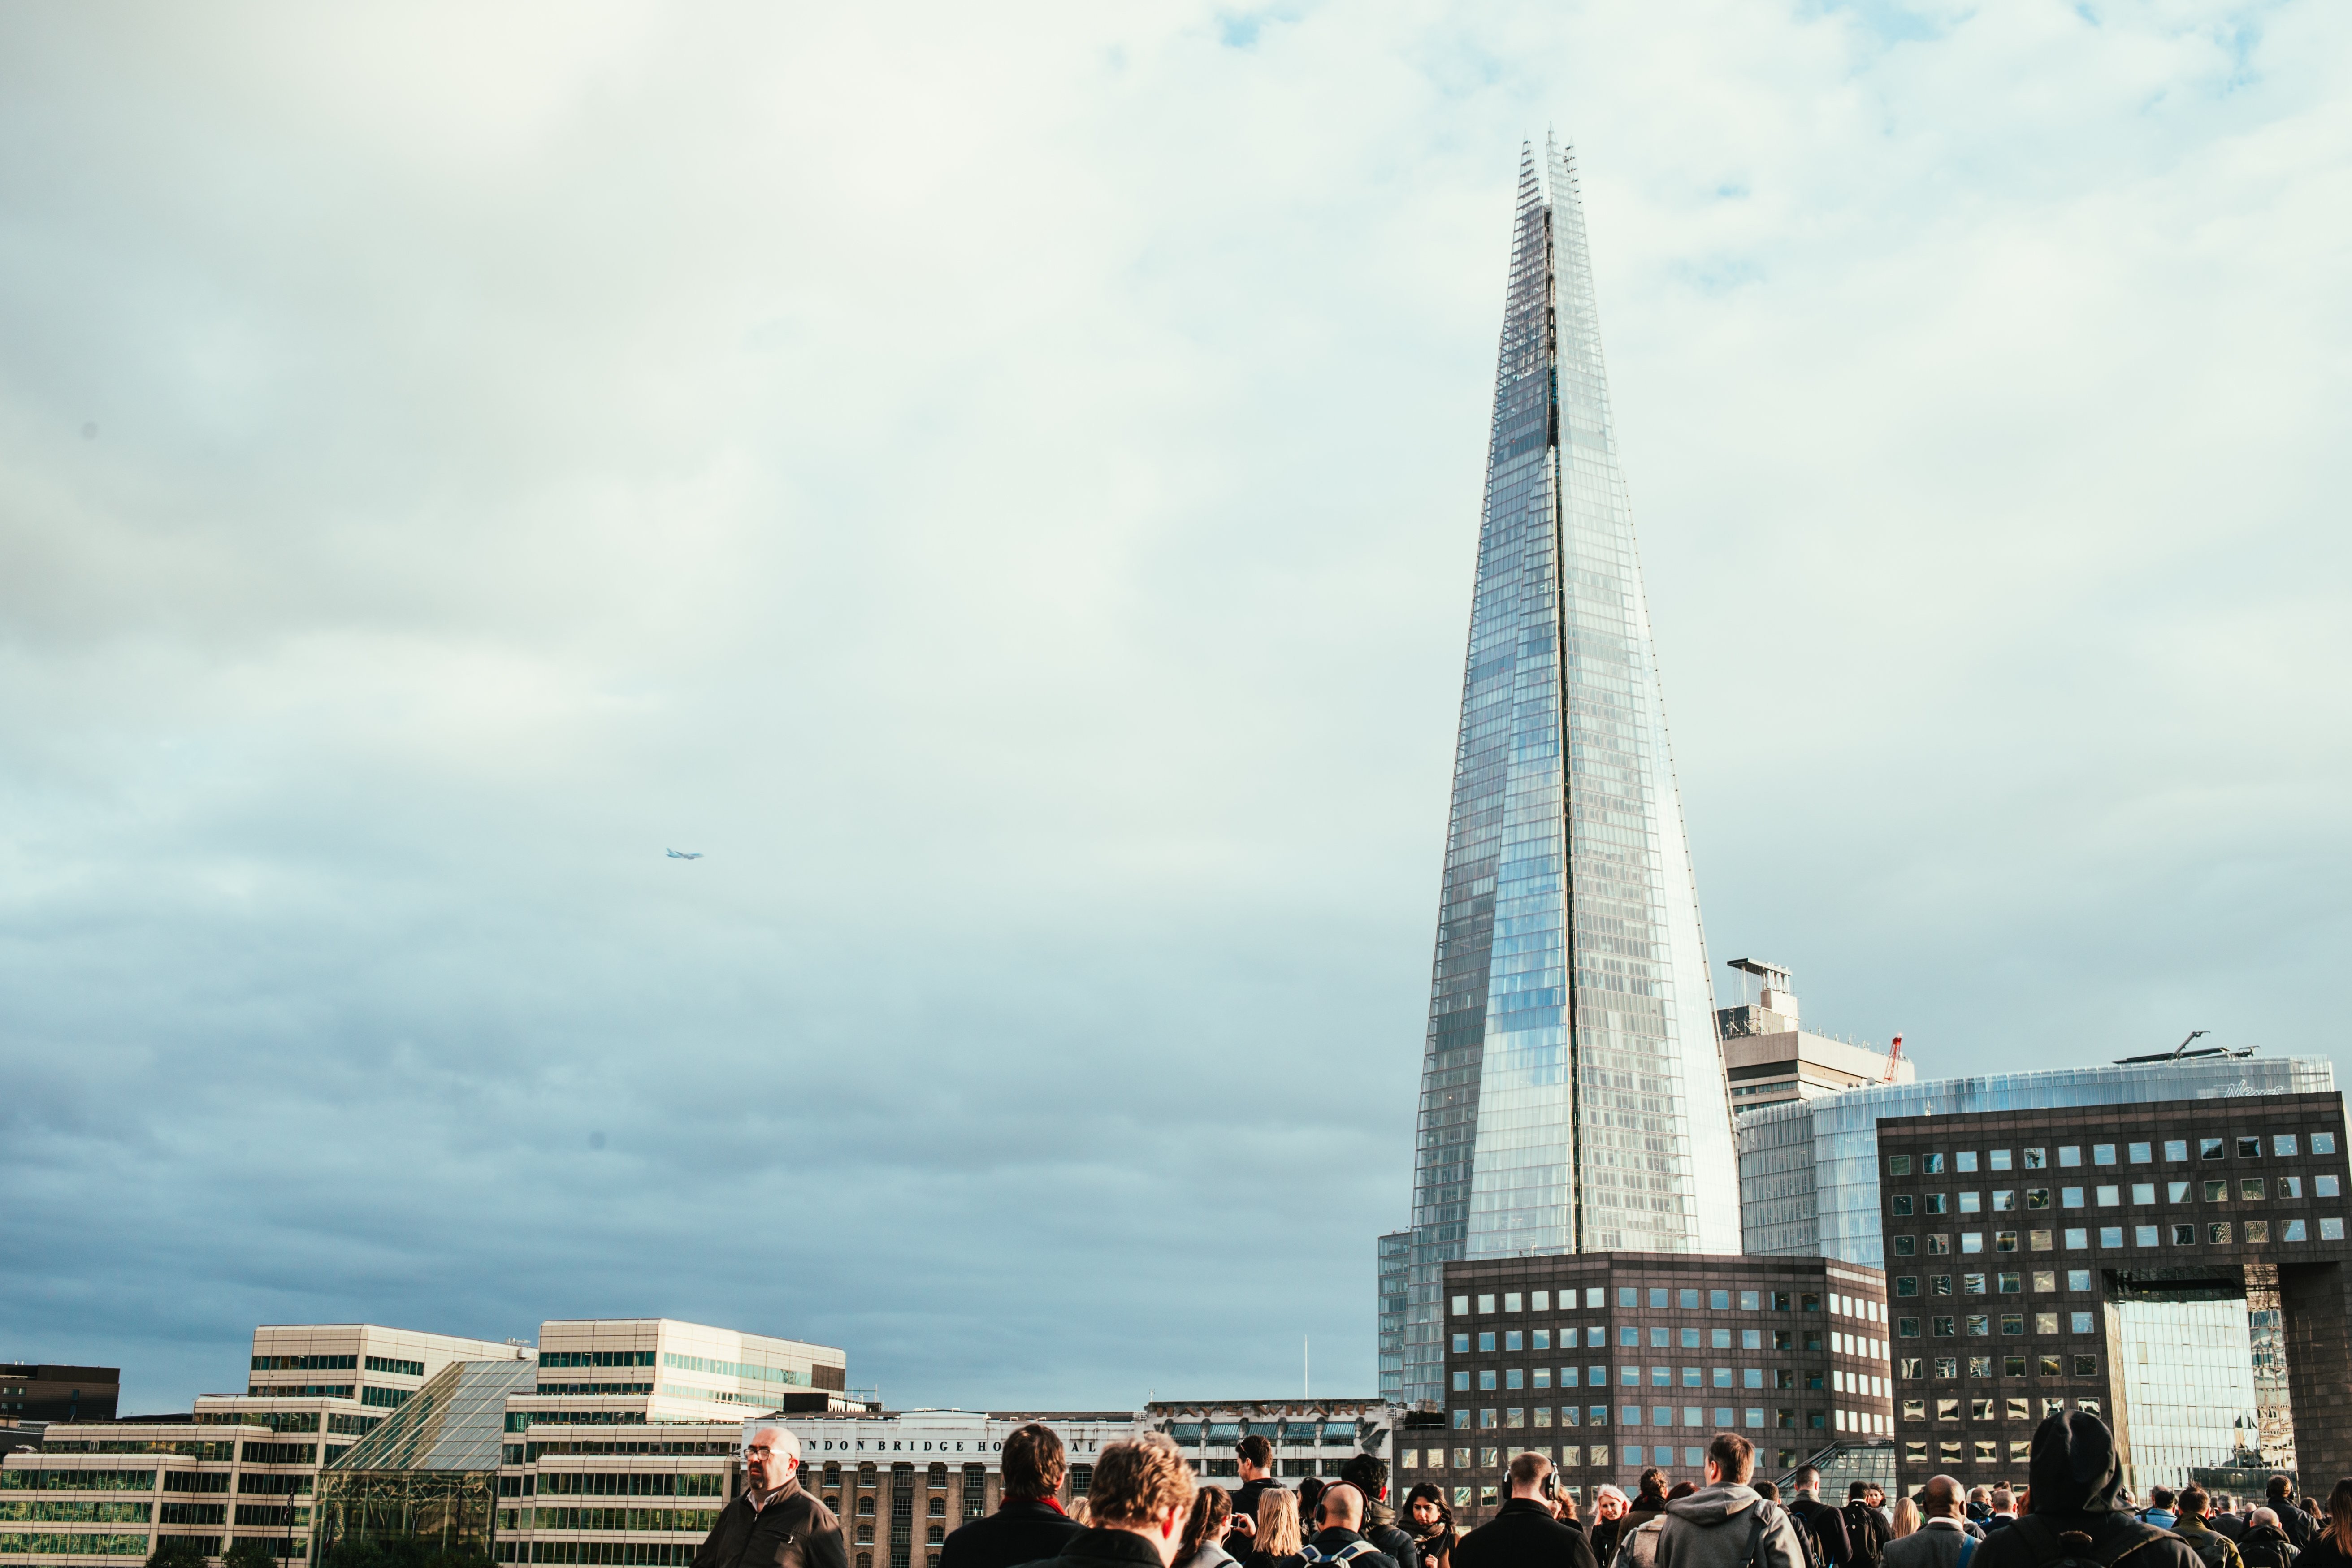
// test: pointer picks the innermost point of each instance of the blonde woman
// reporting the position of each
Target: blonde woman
(1278, 1540)
(1906, 1518)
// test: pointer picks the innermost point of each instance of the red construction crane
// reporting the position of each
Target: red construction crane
(1892, 1058)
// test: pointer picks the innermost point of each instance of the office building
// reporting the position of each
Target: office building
(1608, 1362)
(1572, 1093)
(1809, 1169)
(33, 1392)
(1770, 1057)
(634, 1425)
(2175, 1266)
(360, 1432)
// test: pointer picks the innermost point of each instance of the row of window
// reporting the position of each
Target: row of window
(2013, 1364)
(193, 1514)
(614, 1554)
(2013, 1408)
(2012, 1322)
(1298, 1433)
(592, 1388)
(1513, 1418)
(32, 1480)
(80, 1545)
(748, 1371)
(2110, 1194)
(2247, 1146)
(1660, 1377)
(196, 1480)
(699, 1519)
(1657, 1296)
(2077, 1238)
(1631, 1336)
(48, 1510)
(622, 1483)
(1907, 1285)
(188, 1449)
(301, 1391)
(306, 1363)
(595, 1358)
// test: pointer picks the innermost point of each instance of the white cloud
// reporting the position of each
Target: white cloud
(1003, 484)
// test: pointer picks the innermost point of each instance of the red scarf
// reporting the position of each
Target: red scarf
(1054, 1503)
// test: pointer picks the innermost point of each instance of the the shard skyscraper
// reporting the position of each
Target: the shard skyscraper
(1572, 1093)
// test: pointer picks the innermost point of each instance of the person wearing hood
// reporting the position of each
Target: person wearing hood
(2073, 1508)
(1725, 1525)
(1941, 1540)
(1523, 1533)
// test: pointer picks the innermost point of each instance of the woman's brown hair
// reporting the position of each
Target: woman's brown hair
(1210, 1508)
(2340, 1515)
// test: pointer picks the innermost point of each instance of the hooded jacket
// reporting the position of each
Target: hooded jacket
(1381, 1529)
(2215, 1548)
(1717, 1527)
(2077, 1481)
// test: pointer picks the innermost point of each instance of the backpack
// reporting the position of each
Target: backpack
(1865, 1528)
(1767, 1514)
(1346, 1554)
(2212, 1546)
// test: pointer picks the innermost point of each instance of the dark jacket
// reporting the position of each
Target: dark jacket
(1523, 1534)
(2228, 1524)
(1100, 1548)
(2262, 1547)
(2297, 1524)
(1332, 1541)
(1867, 1530)
(2322, 1552)
(1018, 1532)
(1266, 1559)
(1828, 1526)
(2147, 1547)
(794, 1531)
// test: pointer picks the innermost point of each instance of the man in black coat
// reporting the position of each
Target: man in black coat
(2293, 1521)
(772, 1522)
(1865, 1527)
(1827, 1523)
(1369, 1474)
(1523, 1533)
(1028, 1522)
(2075, 1509)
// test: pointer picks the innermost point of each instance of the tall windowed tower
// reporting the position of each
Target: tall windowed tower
(1573, 1091)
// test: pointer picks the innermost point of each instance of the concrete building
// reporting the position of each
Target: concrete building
(2176, 1267)
(34, 1392)
(1808, 1168)
(1770, 1057)
(1608, 1362)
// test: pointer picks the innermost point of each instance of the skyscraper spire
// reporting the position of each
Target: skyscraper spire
(1572, 1088)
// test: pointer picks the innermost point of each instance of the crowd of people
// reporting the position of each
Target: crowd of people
(1146, 1509)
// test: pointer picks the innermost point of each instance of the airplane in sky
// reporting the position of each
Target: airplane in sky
(683, 855)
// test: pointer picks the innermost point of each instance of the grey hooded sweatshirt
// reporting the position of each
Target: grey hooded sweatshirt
(1717, 1527)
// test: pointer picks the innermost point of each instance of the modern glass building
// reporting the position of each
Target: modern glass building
(429, 1472)
(1809, 1169)
(1573, 1091)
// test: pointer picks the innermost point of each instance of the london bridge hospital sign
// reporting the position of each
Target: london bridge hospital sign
(925, 1435)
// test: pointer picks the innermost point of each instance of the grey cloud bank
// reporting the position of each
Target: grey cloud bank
(1005, 488)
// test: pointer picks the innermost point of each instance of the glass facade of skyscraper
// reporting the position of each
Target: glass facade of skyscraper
(1809, 1169)
(1573, 1090)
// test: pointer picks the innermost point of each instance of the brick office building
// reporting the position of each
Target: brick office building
(2177, 1269)
(1608, 1363)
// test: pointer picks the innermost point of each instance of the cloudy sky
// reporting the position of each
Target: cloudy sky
(1002, 482)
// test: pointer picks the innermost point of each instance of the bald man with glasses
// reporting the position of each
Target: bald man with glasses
(773, 1523)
